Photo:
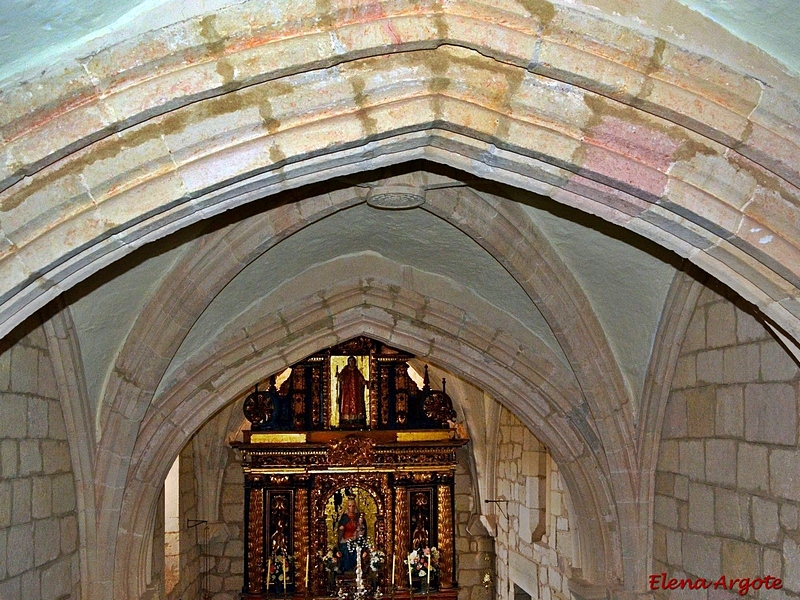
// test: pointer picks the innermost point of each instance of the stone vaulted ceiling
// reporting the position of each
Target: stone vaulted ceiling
(199, 199)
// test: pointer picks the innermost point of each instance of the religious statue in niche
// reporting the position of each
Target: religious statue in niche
(280, 525)
(352, 535)
(420, 533)
(351, 386)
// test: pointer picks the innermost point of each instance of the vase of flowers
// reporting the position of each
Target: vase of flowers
(423, 564)
(330, 562)
(280, 571)
(377, 558)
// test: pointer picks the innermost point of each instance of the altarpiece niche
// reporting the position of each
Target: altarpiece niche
(349, 470)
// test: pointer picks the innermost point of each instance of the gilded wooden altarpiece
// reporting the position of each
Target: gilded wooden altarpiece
(389, 448)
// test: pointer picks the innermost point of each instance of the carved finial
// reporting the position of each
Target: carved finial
(426, 380)
(272, 387)
(444, 385)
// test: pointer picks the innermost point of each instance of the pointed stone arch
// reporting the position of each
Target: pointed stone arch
(390, 316)
(606, 116)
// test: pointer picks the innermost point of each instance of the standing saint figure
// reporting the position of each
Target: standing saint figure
(352, 410)
(351, 534)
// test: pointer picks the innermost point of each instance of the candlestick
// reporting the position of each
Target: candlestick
(429, 573)
(358, 568)
(394, 557)
(269, 568)
(308, 562)
(284, 575)
(410, 583)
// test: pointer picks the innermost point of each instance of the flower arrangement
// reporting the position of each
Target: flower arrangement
(330, 560)
(422, 560)
(280, 569)
(377, 558)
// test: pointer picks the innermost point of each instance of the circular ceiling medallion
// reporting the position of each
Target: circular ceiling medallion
(395, 200)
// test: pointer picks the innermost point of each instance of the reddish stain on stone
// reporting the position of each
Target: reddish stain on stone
(631, 153)
(634, 177)
(635, 141)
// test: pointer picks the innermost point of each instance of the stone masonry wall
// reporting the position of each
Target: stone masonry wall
(728, 478)
(39, 557)
(534, 542)
(191, 564)
(226, 547)
(474, 546)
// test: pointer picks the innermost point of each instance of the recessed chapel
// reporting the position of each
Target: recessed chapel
(359, 299)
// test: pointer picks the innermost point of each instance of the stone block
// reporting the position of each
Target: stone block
(748, 328)
(741, 364)
(58, 429)
(223, 565)
(685, 372)
(681, 487)
(30, 457)
(700, 411)
(674, 548)
(5, 503)
(721, 330)
(669, 456)
(21, 501)
(9, 457)
(5, 370)
(237, 568)
(55, 457)
(709, 367)
(741, 557)
(752, 467)
(24, 369)
(772, 561)
(766, 524)
(665, 483)
(57, 579)
(695, 338)
(37, 417)
(721, 462)
(42, 498)
(46, 541)
(729, 411)
(692, 459)
(776, 363)
(770, 413)
(728, 515)
(69, 534)
(703, 553)
(675, 422)
(215, 583)
(744, 512)
(234, 548)
(19, 551)
(11, 588)
(3, 545)
(789, 516)
(232, 512)
(13, 416)
(63, 494)
(701, 508)
(48, 387)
